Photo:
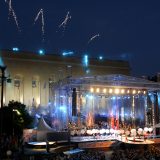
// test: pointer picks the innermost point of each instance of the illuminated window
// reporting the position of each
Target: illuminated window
(34, 84)
(69, 70)
(18, 88)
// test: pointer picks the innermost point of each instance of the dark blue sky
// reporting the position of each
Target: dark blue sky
(129, 29)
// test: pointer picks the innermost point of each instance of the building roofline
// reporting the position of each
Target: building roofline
(55, 57)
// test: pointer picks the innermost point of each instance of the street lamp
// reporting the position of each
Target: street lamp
(3, 68)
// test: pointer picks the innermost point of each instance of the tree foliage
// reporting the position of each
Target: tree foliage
(16, 116)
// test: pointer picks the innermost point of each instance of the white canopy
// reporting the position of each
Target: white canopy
(43, 126)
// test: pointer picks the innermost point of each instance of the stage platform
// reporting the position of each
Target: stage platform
(92, 138)
(89, 142)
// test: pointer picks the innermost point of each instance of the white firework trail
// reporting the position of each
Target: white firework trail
(9, 7)
(93, 37)
(12, 13)
(42, 21)
(64, 23)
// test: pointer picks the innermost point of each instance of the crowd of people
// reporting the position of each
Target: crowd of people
(147, 153)
(86, 155)
(10, 145)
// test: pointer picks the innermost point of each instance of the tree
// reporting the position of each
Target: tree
(17, 118)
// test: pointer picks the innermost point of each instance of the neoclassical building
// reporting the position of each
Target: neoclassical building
(31, 73)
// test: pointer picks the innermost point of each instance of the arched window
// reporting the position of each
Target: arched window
(18, 88)
(52, 80)
(69, 71)
(60, 73)
(35, 90)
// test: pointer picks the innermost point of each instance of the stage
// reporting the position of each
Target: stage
(109, 101)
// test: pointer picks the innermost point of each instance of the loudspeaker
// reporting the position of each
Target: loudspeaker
(74, 102)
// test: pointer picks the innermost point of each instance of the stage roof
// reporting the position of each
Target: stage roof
(113, 80)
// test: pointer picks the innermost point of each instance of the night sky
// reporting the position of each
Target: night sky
(128, 29)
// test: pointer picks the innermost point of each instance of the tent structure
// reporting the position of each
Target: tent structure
(42, 129)
(43, 126)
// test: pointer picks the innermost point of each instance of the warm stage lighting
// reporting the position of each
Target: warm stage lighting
(116, 91)
(97, 90)
(128, 91)
(144, 92)
(110, 90)
(122, 91)
(104, 90)
(92, 90)
(134, 91)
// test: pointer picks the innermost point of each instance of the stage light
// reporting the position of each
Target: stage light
(113, 98)
(62, 109)
(134, 92)
(97, 90)
(102, 131)
(110, 90)
(83, 100)
(65, 53)
(86, 95)
(100, 57)
(146, 129)
(150, 129)
(139, 91)
(38, 101)
(87, 71)
(128, 91)
(92, 90)
(122, 131)
(149, 94)
(104, 90)
(41, 52)
(140, 131)
(90, 96)
(89, 132)
(144, 92)
(83, 131)
(116, 91)
(107, 131)
(111, 130)
(94, 131)
(122, 91)
(85, 60)
(15, 49)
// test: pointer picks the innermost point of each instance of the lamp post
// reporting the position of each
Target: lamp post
(3, 68)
